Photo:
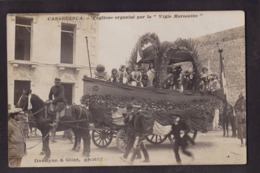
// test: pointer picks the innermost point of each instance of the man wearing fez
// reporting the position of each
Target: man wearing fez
(16, 139)
(59, 102)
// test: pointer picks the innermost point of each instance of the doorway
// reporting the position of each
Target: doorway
(68, 87)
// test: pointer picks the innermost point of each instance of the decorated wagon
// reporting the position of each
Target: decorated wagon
(107, 101)
(194, 106)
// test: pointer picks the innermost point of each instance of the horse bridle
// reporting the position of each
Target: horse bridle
(30, 106)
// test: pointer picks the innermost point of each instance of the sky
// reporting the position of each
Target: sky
(117, 38)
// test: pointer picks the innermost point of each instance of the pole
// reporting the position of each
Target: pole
(223, 75)
(221, 68)
(88, 58)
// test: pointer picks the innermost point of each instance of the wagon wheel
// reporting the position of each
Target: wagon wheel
(102, 138)
(156, 139)
(121, 140)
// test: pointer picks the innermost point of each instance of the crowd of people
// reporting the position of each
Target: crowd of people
(135, 131)
(174, 78)
(209, 82)
(138, 76)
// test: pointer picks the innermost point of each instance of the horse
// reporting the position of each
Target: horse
(228, 118)
(32, 124)
(76, 118)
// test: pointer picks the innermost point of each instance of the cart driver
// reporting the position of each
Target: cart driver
(59, 101)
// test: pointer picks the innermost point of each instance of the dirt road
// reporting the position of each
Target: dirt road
(211, 148)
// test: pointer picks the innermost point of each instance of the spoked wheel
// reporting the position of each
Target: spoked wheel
(156, 139)
(121, 140)
(102, 138)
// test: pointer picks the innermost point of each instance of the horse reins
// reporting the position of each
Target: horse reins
(29, 115)
(39, 142)
(78, 127)
(59, 122)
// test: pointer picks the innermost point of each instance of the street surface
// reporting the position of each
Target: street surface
(211, 148)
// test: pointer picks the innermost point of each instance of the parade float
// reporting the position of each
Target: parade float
(107, 100)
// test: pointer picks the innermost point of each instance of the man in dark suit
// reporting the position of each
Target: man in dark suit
(59, 102)
(180, 131)
(129, 120)
(143, 125)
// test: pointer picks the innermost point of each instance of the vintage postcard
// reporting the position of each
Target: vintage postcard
(131, 88)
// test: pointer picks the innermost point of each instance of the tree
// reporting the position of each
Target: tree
(165, 53)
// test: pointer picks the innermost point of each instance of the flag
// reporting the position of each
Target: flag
(223, 77)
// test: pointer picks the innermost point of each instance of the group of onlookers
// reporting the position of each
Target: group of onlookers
(136, 76)
(209, 82)
(174, 78)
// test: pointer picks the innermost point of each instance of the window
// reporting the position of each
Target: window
(67, 40)
(23, 38)
(19, 85)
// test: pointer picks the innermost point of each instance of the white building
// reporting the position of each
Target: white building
(41, 47)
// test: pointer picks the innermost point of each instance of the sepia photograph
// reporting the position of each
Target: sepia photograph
(126, 89)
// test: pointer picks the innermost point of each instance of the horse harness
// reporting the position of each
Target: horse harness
(79, 116)
(46, 115)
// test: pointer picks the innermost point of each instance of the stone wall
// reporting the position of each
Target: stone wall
(232, 42)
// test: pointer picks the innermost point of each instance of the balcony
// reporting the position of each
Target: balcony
(63, 66)
(17, 63)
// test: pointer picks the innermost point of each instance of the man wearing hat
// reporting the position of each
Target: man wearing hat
(180, 131)
(59, 101)
(129, 120)
(16, 139)
(100, 73)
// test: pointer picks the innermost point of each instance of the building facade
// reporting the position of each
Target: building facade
(42, 47)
